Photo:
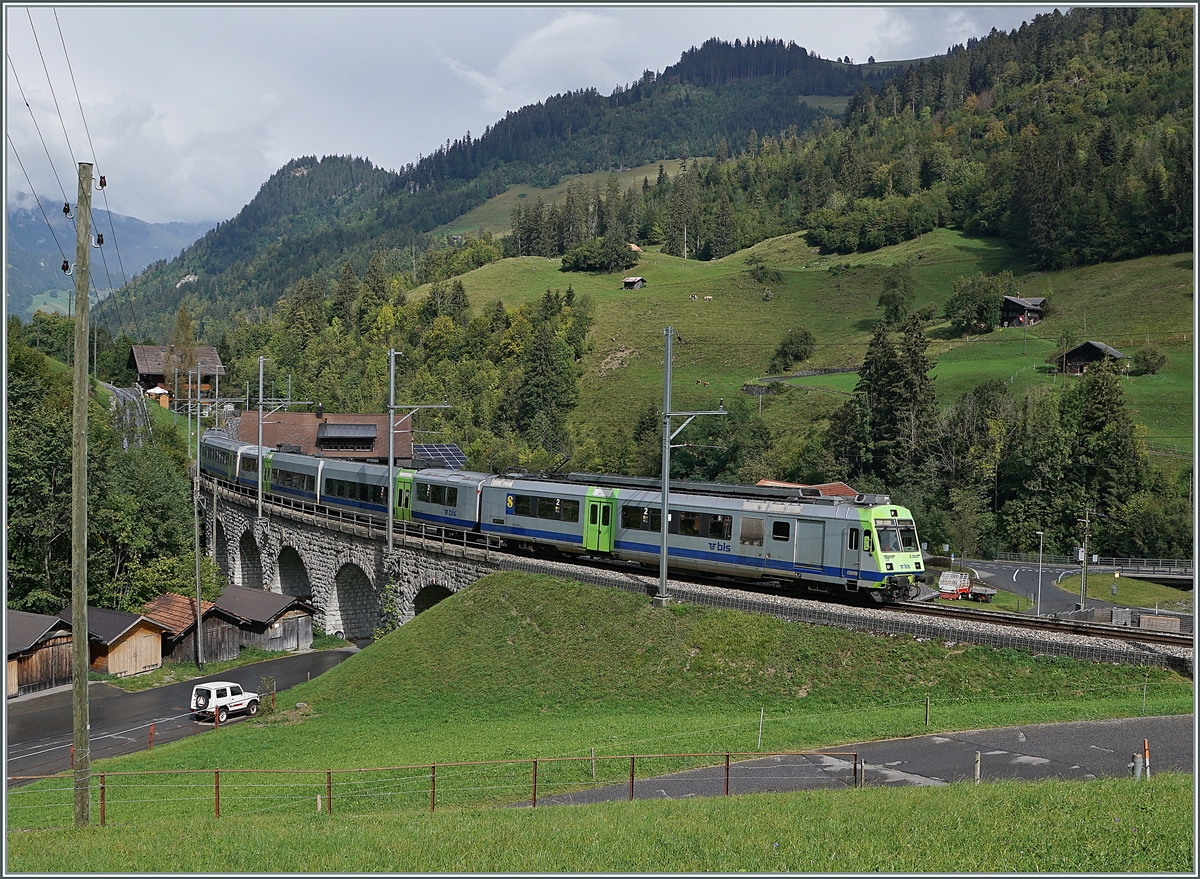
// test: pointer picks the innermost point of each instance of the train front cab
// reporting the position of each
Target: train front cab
(892, 552)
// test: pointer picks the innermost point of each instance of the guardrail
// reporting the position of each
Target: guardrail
(1145, 566)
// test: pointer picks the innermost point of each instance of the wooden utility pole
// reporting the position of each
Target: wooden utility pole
(81, 724)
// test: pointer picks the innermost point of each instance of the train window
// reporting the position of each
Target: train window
(606, 516)
(867, 541)
(631, 517)
(437, 494)
(546, 508)
(594, 514)
(522, 504)
(689, 523)
(752, 531)
(452, 497)
(852, 539)
(570, 511)
(781, 530)
(720, 527)
(908, 539)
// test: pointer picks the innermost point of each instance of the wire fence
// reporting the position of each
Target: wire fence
(1132, 566)
(129, 798)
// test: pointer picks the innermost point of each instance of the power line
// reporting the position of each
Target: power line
(103, 192)
(61, 188)
(61, 121)
(35, 195)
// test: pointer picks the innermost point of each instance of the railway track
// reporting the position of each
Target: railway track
(1048, 624)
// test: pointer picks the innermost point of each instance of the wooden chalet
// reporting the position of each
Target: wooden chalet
(346, 437)
(222, 630)
(1078, 359)
(121, 643)
(1017, 311)
(156, 367)
(273, 621)
(39, 652)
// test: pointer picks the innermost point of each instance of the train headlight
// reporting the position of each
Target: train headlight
(890, 566)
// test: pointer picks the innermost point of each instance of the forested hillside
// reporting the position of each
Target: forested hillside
(1070, 137)
(305, 223)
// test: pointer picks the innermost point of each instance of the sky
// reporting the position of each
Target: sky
(189, 110)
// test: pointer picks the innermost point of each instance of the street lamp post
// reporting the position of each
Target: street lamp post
(661, 598)
(1041, 540)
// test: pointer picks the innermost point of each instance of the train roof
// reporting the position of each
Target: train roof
(798, 494)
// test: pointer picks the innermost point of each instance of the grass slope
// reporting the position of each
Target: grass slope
(729, 340)
(518, 666)
(1042, 827)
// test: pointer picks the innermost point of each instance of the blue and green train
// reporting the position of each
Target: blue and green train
(863, 544)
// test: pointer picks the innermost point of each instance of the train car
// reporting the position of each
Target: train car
(246, 474)
(350, 485)
(543, 512)
(447, 498)
(218, 455)
(292, 475)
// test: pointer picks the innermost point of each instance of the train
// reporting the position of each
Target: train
(863, 545)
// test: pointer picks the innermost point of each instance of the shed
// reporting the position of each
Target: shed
(1078, 359)
(274, 621)
(1017, 311)
(633, 283)
(177, 615)
(121, 643)
(39, 652)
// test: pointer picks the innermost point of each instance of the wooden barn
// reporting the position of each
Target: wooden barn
(1016, 311)
(634, 283)
(177, 615)
(1078, 359)
(39, 652)
(121, 643)
(275, 621)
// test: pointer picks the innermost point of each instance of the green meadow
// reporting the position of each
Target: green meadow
(520, 666)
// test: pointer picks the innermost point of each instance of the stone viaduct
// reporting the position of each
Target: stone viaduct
(343, 567)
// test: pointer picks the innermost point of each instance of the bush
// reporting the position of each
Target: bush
(1148, 360)
(796, 347)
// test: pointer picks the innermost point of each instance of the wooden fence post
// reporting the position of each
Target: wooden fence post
(329, 790)
(631, 759)
(101, 799)
(534, 783)
(432, 786)
(726, 775)
(217, 791)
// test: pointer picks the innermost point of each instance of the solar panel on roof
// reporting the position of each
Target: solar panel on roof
(446, 454)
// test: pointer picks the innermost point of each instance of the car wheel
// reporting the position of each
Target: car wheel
(222, 715)
(252, 709)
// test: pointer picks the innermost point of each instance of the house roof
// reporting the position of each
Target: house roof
(827, 489)
(1100, 347)
(25, 629)
(107, 626)
(176, 613)
(304, 429)
(148, 359)
(257, 605)
(1027, 302)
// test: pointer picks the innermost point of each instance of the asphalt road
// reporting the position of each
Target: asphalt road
(1021, 578)
(39, 725)
(1078, 750)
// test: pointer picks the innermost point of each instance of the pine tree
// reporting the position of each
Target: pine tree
(345, 297)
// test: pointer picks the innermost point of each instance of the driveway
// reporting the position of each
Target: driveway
(40, 725)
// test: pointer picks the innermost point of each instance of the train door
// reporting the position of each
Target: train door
(850, 552)
(598, 524)
(265, 476)
(750, 543)
(403, 497)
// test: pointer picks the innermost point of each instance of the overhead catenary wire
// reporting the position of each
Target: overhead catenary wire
(41, 137)
(61, 121)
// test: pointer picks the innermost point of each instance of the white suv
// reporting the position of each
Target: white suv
(222, 697)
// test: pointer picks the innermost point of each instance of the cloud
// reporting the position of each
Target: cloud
(575, 50)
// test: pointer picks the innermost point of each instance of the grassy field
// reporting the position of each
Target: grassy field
(519, 666)
(1110, 826)
(1131, 592)
(729, 340)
